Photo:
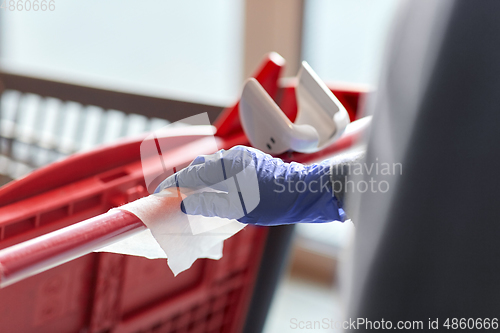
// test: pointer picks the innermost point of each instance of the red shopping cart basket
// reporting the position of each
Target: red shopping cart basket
(105, 292)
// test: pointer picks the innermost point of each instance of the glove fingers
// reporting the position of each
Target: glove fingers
(211, 204)
(168, 182)
(198, 160)
(194, 177)
(209, 170)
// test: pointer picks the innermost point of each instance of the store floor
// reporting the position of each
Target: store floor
(299, 304)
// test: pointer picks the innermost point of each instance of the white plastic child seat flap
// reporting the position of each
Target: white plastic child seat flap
(319, 108)
(267, 127)
(321, 118)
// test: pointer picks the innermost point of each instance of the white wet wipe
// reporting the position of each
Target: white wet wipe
(172, 234)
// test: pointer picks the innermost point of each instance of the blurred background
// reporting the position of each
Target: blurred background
(196, 51)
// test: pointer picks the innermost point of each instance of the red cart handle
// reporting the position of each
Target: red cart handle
(42, 253)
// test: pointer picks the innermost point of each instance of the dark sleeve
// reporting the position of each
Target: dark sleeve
(429, 247)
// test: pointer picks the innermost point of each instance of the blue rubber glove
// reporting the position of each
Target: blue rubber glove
(256, 188)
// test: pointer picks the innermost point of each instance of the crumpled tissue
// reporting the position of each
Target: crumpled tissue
(172, 234)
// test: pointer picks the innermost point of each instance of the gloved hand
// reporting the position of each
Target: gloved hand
(256, 188)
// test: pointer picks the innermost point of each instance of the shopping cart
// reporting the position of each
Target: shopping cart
(104, 292)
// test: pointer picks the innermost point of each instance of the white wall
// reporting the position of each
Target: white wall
(344, 39)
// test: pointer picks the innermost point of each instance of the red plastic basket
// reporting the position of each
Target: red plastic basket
(104, 292)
